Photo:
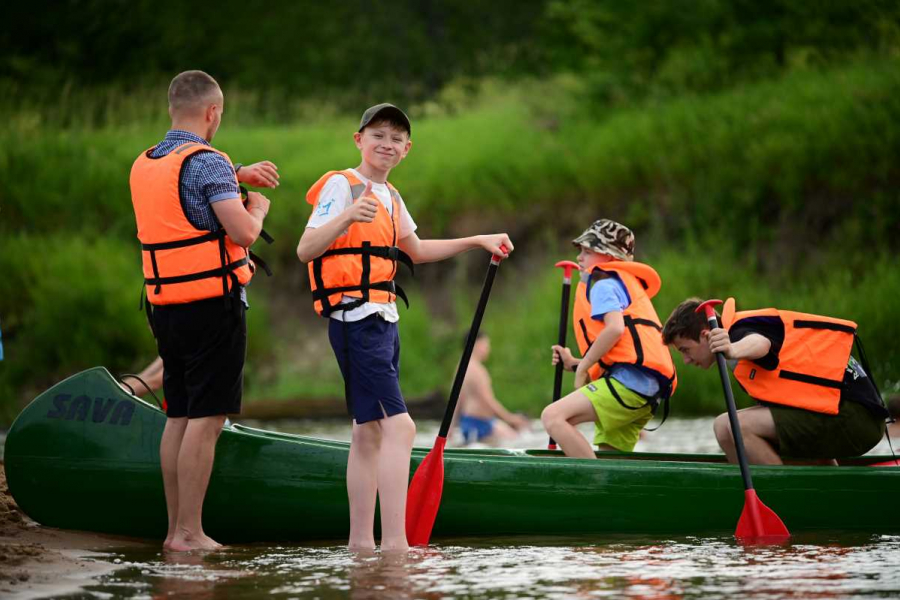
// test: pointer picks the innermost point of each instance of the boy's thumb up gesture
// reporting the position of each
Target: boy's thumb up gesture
(364, 208)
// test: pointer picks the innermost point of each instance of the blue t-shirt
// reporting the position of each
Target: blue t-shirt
(607, 295)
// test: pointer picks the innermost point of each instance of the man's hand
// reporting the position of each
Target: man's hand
(365, 207)
(564, 354)
(720, 342)
(261, 174)
(257, 201)
(493, 242)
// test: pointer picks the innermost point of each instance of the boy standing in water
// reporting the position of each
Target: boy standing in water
(626, 369)
(357, 234)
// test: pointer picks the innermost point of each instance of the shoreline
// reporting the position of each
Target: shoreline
(38, 561)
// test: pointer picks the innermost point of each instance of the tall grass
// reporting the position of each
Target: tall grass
(781, 193)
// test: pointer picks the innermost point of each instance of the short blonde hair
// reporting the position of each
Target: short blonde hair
(192, 90)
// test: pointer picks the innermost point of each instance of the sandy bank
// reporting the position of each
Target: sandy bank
(41, 561)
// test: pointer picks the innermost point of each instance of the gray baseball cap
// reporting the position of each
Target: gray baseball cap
(608, 237)
(386, 110)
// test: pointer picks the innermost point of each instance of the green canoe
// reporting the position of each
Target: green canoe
(85, 455)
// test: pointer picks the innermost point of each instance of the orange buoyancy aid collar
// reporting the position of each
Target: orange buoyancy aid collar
(642, 345)
(361, 263)
(811, 362)
(181, 263)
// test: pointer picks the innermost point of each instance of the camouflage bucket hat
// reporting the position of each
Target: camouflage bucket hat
(608, 237)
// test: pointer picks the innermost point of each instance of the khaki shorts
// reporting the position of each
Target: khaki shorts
(616, 425)
(806, 434)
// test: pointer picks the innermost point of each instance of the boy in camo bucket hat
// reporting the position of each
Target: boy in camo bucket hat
(608, 237)
(626, 370)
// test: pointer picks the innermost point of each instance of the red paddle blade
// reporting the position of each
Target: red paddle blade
(424, 497)
(759, 524)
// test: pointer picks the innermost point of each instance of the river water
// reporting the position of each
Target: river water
(821, 565)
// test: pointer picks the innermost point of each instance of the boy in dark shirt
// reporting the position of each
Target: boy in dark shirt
(799, 416)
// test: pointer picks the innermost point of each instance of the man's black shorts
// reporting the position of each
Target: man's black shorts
(203, 345)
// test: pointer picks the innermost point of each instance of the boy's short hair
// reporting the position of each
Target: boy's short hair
(608, 237)
(191, 90)
(385, 113)
(684, 322)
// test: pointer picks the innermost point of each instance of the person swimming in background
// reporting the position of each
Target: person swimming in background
(480, 416)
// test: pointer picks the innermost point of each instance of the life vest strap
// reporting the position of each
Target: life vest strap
(384, 286)
(258, 261)
(810, 379)
(805, 324)
(389, 252)
(200, 239)
(220, 272)
(652, 402)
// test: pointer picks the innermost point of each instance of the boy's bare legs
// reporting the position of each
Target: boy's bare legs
(168, 459)
(195, 461)
(393, 479)
(560, 419)
(758, 431)
(362, 483)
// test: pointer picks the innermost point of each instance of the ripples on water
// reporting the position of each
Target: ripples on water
(820, 566)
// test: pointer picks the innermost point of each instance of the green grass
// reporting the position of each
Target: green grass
(780, 193)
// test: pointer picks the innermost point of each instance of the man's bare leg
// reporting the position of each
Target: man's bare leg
(560, 419)
(393, 480)
(362, 484)
(758, 431)
(168, 459)
(195, 461)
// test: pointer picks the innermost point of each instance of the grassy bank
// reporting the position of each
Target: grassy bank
(789, 184)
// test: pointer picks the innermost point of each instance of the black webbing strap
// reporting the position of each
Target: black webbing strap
(258, 261)
(384, 286)
(653, 402)
(810, 379)
(262, 232)
(322, 293)
(389, 252)
(806, 324)
(200, 239)
(219, 272)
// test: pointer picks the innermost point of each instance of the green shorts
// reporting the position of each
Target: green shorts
(616, 425)
(806, 434)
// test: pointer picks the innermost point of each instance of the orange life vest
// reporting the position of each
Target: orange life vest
(811, 362)
(361, 263)
(181, 263)
(642, 343)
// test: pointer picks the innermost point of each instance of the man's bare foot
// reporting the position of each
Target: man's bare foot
(185, 542)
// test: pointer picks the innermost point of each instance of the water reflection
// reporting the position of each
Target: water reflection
(812, 566)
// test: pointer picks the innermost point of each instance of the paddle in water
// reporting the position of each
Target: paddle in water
(427, 485)
(567, 266)
(758, 523)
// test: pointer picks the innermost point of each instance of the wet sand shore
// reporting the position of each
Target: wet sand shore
(37, 561)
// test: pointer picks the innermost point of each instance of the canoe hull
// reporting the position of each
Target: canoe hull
(85, 455)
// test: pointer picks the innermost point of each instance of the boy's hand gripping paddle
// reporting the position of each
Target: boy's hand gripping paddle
(758, 523)
(424, 497)
(567, 266)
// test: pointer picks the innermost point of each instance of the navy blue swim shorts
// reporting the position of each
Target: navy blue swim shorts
(368, 353)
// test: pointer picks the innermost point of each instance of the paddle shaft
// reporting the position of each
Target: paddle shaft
(732, 412)
(470, 345)
(561, 338)
(567, 266)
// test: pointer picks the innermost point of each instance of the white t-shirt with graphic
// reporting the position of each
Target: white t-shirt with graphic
(334, 198)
